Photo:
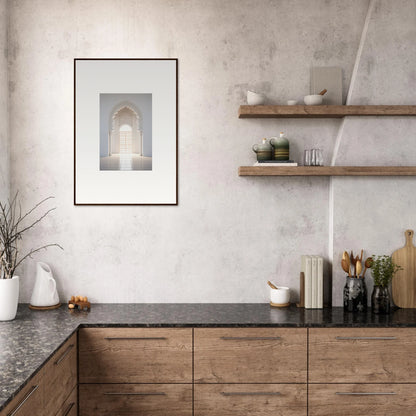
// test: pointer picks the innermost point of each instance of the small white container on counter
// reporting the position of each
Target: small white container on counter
(280, 296)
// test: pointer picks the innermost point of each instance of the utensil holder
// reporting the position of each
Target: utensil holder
(355, 295)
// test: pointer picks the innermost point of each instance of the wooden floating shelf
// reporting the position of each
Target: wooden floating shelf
(323, 111)
(327, 171)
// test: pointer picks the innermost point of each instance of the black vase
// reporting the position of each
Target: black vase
(380, 300)
(355, 295)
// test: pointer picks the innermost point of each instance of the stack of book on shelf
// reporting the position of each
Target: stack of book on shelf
(312, 268)
(276, 163)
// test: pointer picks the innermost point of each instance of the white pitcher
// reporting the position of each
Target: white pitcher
(44, 291)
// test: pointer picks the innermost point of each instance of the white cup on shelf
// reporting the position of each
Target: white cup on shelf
(280, 296)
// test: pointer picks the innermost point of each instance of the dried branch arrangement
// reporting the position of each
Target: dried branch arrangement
(13, 224)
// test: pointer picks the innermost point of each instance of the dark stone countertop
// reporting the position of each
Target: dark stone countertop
(27, 342)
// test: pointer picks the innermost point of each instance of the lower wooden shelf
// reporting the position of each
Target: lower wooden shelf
(327, 171)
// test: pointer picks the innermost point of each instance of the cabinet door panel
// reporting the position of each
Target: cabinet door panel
(135, 355)
(60, 376)
(250, 399)
(361, 399)
(250, 355)
(28, 402)
(362, 355)
(70, 406)
(135, 399)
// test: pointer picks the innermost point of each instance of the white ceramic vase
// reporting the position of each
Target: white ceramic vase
(9, 297)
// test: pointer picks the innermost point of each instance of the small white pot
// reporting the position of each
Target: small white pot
(315, 99)
(280, 296)
(9, 297)
(254, 98)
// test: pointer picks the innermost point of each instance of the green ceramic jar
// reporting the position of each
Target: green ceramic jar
(263, 150)
(280, 147)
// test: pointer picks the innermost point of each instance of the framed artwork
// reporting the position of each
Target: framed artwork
(126, 131)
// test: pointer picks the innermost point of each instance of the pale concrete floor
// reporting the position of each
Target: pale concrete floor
(125, 161)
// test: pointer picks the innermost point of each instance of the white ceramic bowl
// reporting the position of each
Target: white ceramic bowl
(292, 102)
(315, 99)
(254, 98)
(280, 296)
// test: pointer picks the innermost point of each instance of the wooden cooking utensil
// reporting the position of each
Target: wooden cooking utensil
(345, 266)
(404, 281)
(358, 267)
(271, 285)
(323, 92)
(367, 265)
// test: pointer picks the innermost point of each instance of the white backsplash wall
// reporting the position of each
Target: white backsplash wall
(229, 234)
(4, 114)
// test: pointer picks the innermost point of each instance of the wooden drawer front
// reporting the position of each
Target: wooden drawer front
(250, 399)
(250, 355)
(362, 355)
(28, 402)
(362, 399)
(70, 406)
(60, 376)
(134, 399)
(135, 355)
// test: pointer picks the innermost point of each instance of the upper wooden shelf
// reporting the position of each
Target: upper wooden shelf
(327, 171)
(323, 111)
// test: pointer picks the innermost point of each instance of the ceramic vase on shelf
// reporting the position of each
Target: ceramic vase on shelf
(9, 296)
(263, 150)
(380, 300)
(355, 295)
(280, 147)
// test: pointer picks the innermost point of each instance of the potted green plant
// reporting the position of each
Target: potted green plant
(13, 225)
(383, 270)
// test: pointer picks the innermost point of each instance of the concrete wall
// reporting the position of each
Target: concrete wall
(229, 234)
(4, 111)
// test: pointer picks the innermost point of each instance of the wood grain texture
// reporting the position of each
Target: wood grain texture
(323, 400)
(70, 406)
(404, 281)
(253, 357)
(323, 111)
(60, 376)
(333, 360)
(33, 405)
(250, 399)
(327, 171)
(135, 399)
(139, 355)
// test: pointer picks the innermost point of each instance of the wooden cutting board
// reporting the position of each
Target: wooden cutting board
(404, 281)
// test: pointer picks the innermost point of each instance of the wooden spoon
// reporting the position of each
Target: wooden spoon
(271, 285)
(345, 263)
(358, 267)
(368, 263)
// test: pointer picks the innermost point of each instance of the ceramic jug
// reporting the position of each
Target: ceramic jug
(263, 150)
(44, 291)
(281, 147)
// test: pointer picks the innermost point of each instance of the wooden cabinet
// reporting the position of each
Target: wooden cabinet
(135, 355)
(362, 355)
(250, 355)
(362, 399)
(250, 399)
(60, 376)
(135, 399)
(28, 402)
(70, 405)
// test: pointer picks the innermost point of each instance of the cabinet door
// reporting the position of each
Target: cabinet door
(250, 399)
(70, 406)
(135, 355)
(362, 355)
(250, 355)
(362, 399)
(135, 399)
(60, 376)
(28, 402)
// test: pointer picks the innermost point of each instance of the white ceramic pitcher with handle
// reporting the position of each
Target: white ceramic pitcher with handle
(44, 292)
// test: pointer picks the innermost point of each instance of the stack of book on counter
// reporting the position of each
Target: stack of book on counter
(312, 267)
(275, 163)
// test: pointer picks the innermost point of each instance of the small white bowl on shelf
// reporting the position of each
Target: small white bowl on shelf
(255, 98)
(315, 99)
(292, 102)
